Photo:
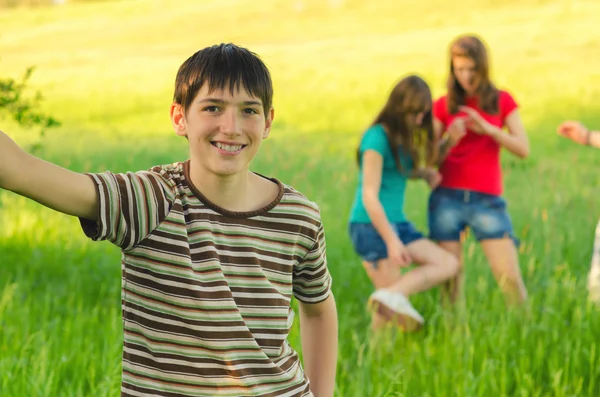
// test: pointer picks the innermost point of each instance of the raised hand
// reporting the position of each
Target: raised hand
(575, 131)
(9, 155)
(476, 123)
(456, 130)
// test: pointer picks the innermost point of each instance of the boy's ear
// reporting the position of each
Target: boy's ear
(268, 123)
(178, 119)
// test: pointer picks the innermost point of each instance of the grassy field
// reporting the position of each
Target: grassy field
(107, 70)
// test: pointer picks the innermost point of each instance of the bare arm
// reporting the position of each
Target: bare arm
(456, 130)
(372, 171)
(319, 333)
(444, 144)
(594, 139)
(427, 173)
(580, 134)
(516, 141)
(48, 184)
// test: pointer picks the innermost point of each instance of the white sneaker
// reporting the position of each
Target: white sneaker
(397, 308)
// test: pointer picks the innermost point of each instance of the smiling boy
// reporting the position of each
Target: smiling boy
(212, 253)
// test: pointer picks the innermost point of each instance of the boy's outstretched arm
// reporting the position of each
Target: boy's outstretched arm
(319, 333)
(48, 184)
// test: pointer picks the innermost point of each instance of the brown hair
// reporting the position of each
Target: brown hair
(472, 47)
(220, 66)
(410, 95)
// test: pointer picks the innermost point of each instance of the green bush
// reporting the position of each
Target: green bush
(24, 109)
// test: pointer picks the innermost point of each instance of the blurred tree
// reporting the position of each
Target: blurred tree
(21, 108)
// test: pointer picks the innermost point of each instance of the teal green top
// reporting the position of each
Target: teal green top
(393, 183)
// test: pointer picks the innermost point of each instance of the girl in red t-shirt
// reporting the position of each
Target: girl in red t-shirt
(469, 121)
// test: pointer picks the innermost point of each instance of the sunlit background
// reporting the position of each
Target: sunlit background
(106, 71)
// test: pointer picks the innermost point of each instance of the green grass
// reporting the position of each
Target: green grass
(107, 69)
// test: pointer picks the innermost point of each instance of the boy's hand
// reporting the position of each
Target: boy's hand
(8, 150)
(48, 184)
(319, 333)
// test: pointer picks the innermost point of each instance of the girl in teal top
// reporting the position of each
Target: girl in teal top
(391, 151)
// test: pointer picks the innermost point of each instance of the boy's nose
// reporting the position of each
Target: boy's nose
(230, 123)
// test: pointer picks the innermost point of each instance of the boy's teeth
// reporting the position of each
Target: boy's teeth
(228, 148)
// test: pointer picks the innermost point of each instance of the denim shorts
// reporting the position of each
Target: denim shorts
(369, 245)
(450, 211)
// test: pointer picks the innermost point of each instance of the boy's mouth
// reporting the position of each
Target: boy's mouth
(228, 147)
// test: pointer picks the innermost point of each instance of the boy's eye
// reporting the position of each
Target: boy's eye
(250, 111)
(211, 109)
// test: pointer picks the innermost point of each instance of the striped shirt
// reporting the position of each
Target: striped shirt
(206, 292)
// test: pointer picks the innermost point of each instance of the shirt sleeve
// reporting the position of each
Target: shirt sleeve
(440, 111)
(406, 161)
(311, 277)
(507, 104)
(130, 206)
(375, 139)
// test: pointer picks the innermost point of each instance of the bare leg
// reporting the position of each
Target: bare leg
(452, 290)
(504, 262)
(383, 274)
(435, 267)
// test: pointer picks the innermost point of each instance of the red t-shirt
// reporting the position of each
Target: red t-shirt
(474, 163)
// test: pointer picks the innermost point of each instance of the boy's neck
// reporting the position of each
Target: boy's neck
(242, 192)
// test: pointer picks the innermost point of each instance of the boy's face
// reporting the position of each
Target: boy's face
(225, 131)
